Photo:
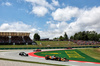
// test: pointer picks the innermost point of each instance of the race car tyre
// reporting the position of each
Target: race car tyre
(26, 54)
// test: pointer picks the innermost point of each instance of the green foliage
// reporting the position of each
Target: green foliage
(71, 37)
(36, 37)
(55, 39)
(65, 36)
(61, 38)
(86, 35)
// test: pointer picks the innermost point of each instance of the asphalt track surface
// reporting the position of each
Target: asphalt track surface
(14, 63)
(14, 54)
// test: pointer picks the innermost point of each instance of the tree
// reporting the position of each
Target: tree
(61, 38)
(55, 39)
(75, 36)
(65, 36)
(98, 37)
(36, 37)
(86, 35)
(72, 37)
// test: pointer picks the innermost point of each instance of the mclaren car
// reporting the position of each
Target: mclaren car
(48, 57)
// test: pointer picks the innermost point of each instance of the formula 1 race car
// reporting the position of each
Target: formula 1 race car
(37, 50)
(23, 54)
(48, 57)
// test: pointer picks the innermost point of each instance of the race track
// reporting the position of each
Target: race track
(14, 54)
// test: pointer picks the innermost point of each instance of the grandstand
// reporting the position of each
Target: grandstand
(15, 38)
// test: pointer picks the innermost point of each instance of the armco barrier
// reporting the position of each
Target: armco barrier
(47, 47)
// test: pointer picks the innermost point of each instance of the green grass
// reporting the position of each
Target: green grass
(60, 44)
(55, 43)
(70, 54)
(18, 46)
(46, 44)
(95, 53)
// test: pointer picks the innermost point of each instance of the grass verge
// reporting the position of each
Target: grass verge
(43, 44)
(70, 54)
(94, 53)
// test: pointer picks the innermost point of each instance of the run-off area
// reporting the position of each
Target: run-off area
(73, 54)
(69, 54)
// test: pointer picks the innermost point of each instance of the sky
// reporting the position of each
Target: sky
(49, 18)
